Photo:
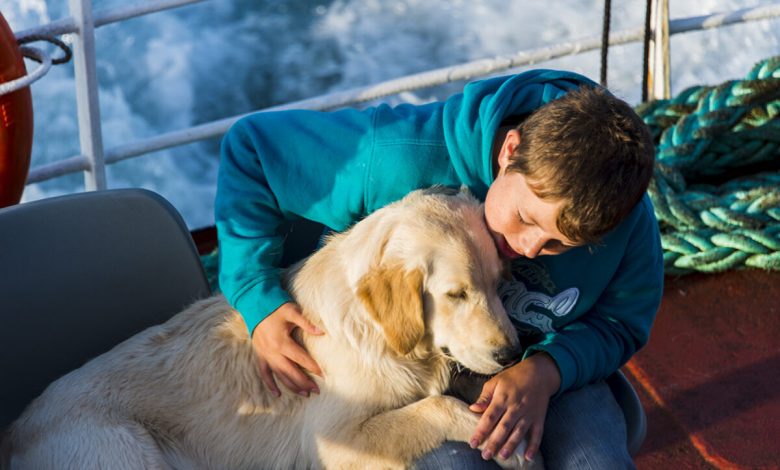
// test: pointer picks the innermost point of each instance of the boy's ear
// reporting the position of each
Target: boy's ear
(511, 141)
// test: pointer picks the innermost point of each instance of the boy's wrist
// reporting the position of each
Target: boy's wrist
(547, 371)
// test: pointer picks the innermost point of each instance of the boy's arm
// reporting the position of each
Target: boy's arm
(601, 341)
(514, 402)
(278, 166)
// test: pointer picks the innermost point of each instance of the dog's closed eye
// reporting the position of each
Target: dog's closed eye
(458, 295)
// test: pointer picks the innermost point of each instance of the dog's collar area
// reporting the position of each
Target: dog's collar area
(459, 368)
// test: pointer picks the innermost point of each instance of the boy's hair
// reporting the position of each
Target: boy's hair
(591, 150)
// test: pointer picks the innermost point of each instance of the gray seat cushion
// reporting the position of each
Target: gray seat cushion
(81, 273)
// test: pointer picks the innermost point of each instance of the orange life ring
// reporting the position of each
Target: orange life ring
(16, 121)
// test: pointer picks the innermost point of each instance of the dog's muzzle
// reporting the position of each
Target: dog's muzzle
(507, 356)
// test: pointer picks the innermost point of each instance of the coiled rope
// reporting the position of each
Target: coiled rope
(40, 56)
(704, 136)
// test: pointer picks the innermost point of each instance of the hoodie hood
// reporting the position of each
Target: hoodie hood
(472, 118)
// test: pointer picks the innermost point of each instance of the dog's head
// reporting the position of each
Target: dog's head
(433, 281)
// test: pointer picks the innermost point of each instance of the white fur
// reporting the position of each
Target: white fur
(187, 393)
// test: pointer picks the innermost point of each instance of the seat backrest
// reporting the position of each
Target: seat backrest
(81, 273)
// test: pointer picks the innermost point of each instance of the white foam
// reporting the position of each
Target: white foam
(215, 59)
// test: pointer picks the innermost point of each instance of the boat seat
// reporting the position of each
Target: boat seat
(81, 273)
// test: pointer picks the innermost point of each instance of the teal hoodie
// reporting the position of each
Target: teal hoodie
(590, 308)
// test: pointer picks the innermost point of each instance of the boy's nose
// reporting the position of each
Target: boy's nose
(532, 247)
(531, 240)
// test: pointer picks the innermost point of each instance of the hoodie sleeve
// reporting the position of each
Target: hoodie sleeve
(279, 166)
(618, 325)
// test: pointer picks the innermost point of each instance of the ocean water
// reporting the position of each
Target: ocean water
(173, 69)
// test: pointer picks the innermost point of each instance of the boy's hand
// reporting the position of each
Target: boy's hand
(514, 405)
(280, 355)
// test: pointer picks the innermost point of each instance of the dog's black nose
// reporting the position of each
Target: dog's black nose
(507, 356)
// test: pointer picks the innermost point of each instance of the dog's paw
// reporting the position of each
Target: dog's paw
(517, 461)
(514, 462)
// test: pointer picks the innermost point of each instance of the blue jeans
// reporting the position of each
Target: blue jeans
(584, 429)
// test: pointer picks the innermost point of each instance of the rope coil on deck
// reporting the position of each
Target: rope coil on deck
(707, 132)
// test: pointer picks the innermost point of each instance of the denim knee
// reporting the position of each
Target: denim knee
(454, 455)
(585, 429)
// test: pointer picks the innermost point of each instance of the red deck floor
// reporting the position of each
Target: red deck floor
(710, 375)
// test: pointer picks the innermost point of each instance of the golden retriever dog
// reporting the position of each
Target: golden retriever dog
(402, 296)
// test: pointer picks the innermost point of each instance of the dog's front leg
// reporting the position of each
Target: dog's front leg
(396, 438)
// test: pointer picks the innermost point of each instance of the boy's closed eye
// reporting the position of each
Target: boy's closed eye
(557, 246)
(522, 220)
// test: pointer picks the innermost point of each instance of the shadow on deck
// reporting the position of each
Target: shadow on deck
(709, 377)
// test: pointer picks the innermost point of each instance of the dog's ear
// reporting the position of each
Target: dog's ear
(393, 297)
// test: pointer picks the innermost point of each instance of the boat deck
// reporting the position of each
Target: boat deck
(709, 377)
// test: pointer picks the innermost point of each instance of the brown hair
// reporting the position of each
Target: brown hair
(591, 150)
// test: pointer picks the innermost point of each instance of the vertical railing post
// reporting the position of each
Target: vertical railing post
(659, 68)
(90, 133)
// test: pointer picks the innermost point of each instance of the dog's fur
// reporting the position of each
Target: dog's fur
(400, 296)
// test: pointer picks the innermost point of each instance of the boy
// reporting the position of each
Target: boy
(562, 166)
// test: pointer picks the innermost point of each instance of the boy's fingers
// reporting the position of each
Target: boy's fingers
(514, 439)
(268, 378)
(534, 441)
(484, 398)
(302, 384)
(477, 408)
(298, 355)
(290, 385)
(501, 433)
(486, 423)
(300, 321)
(480, 405)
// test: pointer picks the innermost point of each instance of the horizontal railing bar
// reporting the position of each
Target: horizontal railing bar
(408, 83)
(105, 16)
(59, 168)
(356, 95)
(715, 20)
(170, 139)
(112, 15)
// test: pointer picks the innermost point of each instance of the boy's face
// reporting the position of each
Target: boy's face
(521, 223)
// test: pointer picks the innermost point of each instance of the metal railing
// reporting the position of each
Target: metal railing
(94, 156)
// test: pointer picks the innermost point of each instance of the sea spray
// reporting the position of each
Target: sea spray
(220, 58)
